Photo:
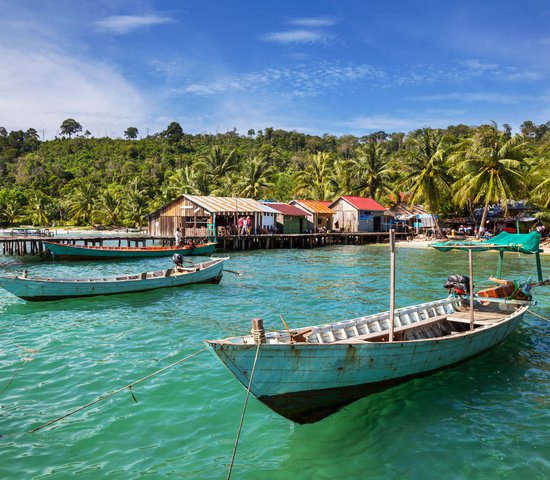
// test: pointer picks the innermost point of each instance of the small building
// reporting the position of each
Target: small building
(290, 219)
(193, 213)
(319, 215)
(359, 214)
(411, 218)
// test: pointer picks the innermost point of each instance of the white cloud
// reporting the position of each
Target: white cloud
(314, 22)
(43, 86)
(297, 36)
(479, 97)
(303, 81)
(123, 24)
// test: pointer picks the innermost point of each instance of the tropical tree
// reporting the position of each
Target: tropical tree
(217, 165)
(69, 127)
(489, 169)
(370, 170)
(255, 179)
(188, 180)
(316, 179)
(425, 171)
(81, 202)
(135, 204)
(108, 205)
(131, 133)
(37, 209)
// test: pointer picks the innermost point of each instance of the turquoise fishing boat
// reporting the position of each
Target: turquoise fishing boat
(86, 252)
(310, 373)
(42, 289)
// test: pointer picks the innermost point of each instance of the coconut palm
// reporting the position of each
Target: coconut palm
(489, 169)
(425, 172)
(108, 206)
(81, 202)
(539, 173)
(371, 171)
(188, 180)
(37, 209)
(255, 180)
(316, 179)
(217, 164)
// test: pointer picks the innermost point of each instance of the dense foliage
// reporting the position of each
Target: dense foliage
(79, 180)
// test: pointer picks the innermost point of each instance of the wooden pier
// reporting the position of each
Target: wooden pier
(33, 245)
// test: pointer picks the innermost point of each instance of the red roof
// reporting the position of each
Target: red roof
(287, 209)
(362, 203)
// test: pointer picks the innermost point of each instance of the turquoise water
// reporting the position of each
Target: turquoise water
(487, 419)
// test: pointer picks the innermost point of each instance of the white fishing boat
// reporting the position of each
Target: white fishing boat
(310, 373)
(41, 289)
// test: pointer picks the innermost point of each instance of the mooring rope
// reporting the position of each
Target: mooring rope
(105, 396)
(537, 315)
(244, 410)
(25, 361)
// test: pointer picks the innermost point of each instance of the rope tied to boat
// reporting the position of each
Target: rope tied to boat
(258, 343)
(539, 316)
(107, 395)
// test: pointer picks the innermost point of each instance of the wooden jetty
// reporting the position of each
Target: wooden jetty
(33, 245)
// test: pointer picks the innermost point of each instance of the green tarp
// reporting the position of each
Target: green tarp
(508, 242)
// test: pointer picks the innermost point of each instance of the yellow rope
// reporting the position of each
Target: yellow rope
(103, 397)
(537, 315)
(244, 410)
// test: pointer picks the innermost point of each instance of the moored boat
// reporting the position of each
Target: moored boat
(41, 289)
(308, 374)
(87, 252)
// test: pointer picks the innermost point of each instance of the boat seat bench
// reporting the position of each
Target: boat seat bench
(410, 326)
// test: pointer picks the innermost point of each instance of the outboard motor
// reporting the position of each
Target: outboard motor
(177, 258)
(459, 283)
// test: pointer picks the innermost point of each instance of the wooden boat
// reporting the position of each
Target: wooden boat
(310, 373)
(81, 252)
(40, 289)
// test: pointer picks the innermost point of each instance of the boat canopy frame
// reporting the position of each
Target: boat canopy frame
(527, 243)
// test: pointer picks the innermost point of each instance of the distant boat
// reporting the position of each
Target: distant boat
(81, 252)
(41, 289)
(308, 374)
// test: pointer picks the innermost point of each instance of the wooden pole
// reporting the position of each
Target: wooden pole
(471, 288)
(392, 283)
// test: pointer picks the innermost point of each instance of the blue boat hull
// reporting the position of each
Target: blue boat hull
(306, 382)
(79, 252)
(37, 289)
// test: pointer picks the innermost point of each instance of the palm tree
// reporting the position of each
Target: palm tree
(216, 165)
(540, 177)
(316, 179)
(37, 209)
(81, 202)
(255, 178)
(188, 180)
(489, 169)
(371, 171)
(135, 204)
(425, 170)
(108, 206)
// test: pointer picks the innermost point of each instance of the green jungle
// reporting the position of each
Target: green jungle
(77, 179)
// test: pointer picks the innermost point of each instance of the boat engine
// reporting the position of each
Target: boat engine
(459, 283)
(177, 258)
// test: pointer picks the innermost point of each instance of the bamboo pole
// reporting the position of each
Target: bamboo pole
(470, 261)
(392, 283)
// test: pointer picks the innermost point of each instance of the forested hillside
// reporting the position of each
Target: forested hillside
(79, 180)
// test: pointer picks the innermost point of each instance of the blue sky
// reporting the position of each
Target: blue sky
(324, 66)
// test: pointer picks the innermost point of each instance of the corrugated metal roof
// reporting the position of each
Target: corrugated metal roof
(362, 203)
(229, 205)
(287, 209)
(313, 206)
